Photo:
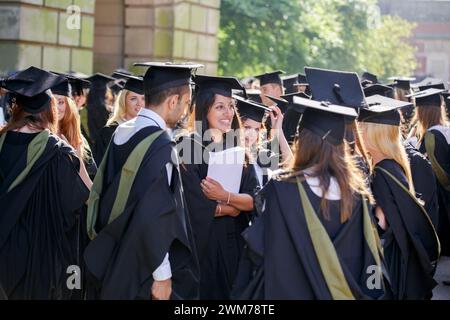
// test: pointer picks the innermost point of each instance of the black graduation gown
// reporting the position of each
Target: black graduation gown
(103, 140)
(38, 222)
(281, 262)
(410, 243)
(424, 182)
(219, 242)
(442, 156)
(127, 250)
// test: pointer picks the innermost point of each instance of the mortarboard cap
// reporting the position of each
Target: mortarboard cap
(380, 89)
(289, 83)
(132, 83)
(120, 73)
(250, 109)
(63, 88)
(162, 76)
(286, 101)
(31, 88)
(368, 78)
(403, 83)
(382, 110)
(223, 86)
(337, 87)
(324, 119)
(254, 95)
(270, 77)
(428, 97)
(77, 82)
(99, 80)
(429, 83)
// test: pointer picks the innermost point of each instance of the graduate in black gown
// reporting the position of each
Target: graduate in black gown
(40, 192)
(98, 108)
(264, 160)
(421, 170)
(128, 103)
(433, 136)
(142, 246)
(314, 238)
(411, 245)
(218, 216)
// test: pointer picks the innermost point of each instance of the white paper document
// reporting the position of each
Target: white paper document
(226, 168)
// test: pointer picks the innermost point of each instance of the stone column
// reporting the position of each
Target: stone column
(44, 33)
(109, 35)
(172, 30)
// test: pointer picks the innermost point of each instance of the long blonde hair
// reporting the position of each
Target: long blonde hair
(70, 126)
(386, 139)
(120, 108)
(429, 116)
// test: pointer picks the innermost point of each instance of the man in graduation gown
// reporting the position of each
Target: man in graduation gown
(142, 244)
(40, 193)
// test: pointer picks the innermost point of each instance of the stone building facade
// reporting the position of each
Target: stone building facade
(431, 36)
(102, 35)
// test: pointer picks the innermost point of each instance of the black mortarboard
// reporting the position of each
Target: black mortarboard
(290, 97)
(403, 83)
(382, 110)
(254, 95)
(380, 89)
(428, 97)
(302, 81)
(368, 78)
(63, 88)
(77, 82)
(324, 119)
(223, 86)
(281, 103)
(120, 73)
(429, 83)
(99, 80)
(132, 83)
(289, 83)
(338, 87)
(250, 109)
(117, 85)
(433, 85)
(31, 88)
(286, 101)
(162, 76)
(270, 77)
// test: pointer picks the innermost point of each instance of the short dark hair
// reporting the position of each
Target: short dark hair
(158, 98)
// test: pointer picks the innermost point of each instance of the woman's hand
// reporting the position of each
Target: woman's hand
(213, 190)
(276, 117)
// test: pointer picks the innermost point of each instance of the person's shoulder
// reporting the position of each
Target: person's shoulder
(442, 133)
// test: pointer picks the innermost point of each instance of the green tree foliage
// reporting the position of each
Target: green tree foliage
(262, 35)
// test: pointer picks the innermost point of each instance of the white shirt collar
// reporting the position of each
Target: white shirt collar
(145, 118)
(144, 115)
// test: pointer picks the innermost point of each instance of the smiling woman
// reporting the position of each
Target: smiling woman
(218, 217)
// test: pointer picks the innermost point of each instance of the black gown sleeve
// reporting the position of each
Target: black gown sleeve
(441, 151)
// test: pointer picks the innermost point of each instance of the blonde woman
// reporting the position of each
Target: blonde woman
(433, 136)
(126, 107)
(410, 242)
